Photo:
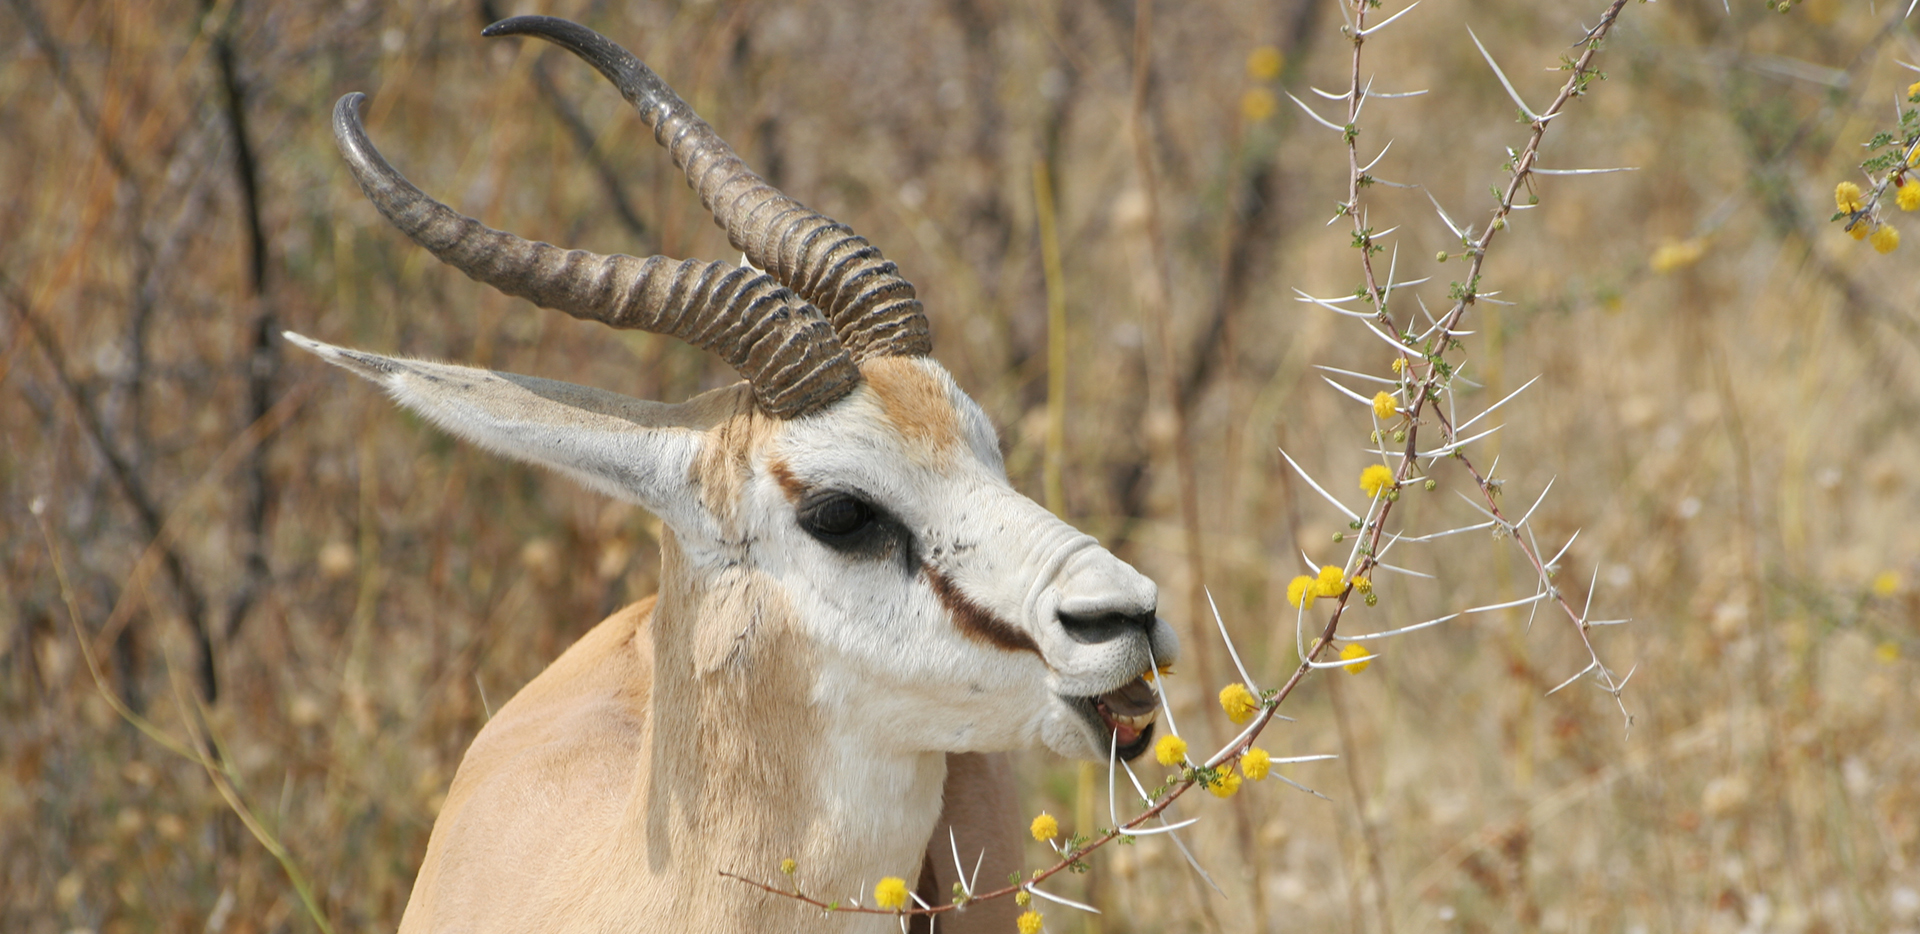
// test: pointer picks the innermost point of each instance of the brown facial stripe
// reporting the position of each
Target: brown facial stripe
(790, 484)
(977, 623)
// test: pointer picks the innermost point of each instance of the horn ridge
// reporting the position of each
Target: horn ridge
(749, 318)
(713, 170)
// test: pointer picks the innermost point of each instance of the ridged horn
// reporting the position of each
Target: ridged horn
(872, 307)
(783, 346)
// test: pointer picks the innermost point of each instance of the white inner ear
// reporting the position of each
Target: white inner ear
(628, 448)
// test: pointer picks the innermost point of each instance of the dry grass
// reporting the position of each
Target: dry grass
(1733, 434)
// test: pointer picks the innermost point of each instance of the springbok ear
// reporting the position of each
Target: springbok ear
(628, 448)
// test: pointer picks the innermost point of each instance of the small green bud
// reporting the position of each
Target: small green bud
(1373, 599)
(1440, 256)
(1430, 486)
(1339, 537)
(1399, 435)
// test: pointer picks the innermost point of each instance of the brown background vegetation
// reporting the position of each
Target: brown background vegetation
(1733, 434)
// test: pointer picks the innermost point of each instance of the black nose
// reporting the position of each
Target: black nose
(1106, 627)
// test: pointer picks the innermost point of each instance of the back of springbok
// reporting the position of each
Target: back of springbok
(856, 613)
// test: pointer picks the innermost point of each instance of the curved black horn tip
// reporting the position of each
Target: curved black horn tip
(607, 56)
(348, 134)
(563, 32)
(348, 107)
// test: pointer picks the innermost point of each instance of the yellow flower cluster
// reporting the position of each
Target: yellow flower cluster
(1846, 197)
(1352, 651)
(788, 866)
(1677, 254)
(1300, 592)
(1375, 478)
(1226, 784)
(1330, 582)
(1399, 364)
(1030, 922)
(1264, 63)
(891, 893)
(1886, 583)
(1383, 404)
(1044, 827)
(1258, 104)
(1363, 584)
(1256, 763)
(1238, 702)
(1170, 750)
(1885, 239)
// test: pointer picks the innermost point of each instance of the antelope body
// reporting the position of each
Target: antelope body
(857, 612)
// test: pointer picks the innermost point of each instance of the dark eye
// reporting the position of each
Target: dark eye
(836, 517)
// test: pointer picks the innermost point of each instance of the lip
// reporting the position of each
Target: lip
(1121, 714)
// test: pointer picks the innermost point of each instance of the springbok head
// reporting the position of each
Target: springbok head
(846, 488)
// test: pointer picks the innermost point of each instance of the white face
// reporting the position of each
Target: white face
(958, 614)
(948, 612)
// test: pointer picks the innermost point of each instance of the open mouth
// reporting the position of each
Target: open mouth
(1127, 713)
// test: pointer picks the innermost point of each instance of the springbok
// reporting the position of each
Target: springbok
(857, 613)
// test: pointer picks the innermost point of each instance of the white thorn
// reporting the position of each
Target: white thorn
(1317, 488)
(1503, 79)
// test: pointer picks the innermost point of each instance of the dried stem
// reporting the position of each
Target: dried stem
(193, 604)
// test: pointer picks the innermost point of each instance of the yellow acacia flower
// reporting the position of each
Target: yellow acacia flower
(1030, 922)
(1170, 750)
(1375, 479)
(1045, 827)
(1909, 196)
(1226, 784)
(1886, 583)
(1238, 702)
(1353, 650)
(1677, 254)
(891, 893)
(1383, 404)
(788, 866)
(1265, 62)
(1255, 762)
(1330, 582)
(1300, 592)
(1363, 584)
(1399, 364)
(1846, 197)
(1913, 90)
(1023, 898)
(1886, 239)
(1858, 231)
(1258, 104)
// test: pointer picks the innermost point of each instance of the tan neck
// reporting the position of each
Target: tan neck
(748, 769)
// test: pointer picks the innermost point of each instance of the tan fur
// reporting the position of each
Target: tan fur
(916, 406)
(724, 466)
(650, 756)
